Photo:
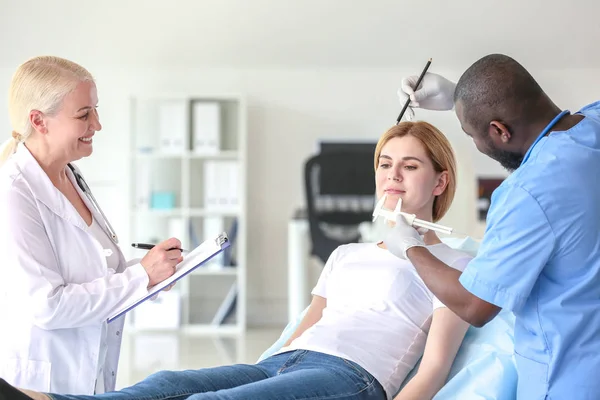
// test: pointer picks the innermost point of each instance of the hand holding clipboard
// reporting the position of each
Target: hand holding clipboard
(197, 257)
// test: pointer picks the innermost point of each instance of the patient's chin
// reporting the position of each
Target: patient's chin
(389, 205)
(391, 201)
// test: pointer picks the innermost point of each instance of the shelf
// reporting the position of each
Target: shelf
(222, 155)
(225, 271)
(192, 212)
(175, 212)
(193, 329)
(168, 132)
(209, 329)
(206, 212)
(166, 96)
(157, 156)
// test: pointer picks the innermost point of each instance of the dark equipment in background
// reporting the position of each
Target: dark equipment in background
(340, 194)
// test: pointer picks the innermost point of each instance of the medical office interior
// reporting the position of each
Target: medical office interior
(213, 112)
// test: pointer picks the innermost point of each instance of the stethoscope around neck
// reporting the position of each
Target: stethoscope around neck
(86, 190)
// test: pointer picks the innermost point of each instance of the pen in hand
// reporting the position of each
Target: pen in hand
(416, 88)
(148, 246)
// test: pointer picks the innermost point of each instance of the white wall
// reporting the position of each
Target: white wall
(310, 93)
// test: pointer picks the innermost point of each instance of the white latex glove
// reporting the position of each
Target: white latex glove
(434, 93)
(402, 237)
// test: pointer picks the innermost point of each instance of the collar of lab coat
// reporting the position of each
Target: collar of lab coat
(44, 190)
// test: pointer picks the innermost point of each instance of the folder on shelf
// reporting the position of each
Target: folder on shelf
(200, 255)
(221, 185)
(173, 126)
(206, 127)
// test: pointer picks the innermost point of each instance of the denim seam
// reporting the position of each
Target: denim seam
(366, 379)
(294, 359)
(155, 397)
(338, 396)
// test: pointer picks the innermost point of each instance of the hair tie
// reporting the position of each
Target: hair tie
(16, 135)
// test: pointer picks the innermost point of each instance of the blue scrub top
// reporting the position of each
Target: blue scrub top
(540, 258)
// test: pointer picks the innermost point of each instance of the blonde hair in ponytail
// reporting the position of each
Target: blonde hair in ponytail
(8, 148)
(40, 83)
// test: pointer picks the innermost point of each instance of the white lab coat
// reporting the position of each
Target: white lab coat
(55, 287)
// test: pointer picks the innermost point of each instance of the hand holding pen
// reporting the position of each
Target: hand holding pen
(149, 246)
(407, 103)
(161, 260)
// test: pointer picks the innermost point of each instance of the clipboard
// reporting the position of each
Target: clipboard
(197, 257)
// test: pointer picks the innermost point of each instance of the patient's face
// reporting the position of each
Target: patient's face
(405, 171)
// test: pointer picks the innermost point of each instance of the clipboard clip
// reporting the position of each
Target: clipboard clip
(222, 239)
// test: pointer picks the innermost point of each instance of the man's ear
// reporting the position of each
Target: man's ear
(36, 118)
(442, 183)
(499, 132)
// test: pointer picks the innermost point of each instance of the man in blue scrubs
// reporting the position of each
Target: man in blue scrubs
(540, 255)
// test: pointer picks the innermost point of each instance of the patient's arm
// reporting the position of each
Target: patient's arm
(445, 337)
(312, 316)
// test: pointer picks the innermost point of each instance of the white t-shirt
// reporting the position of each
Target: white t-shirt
(112, 260)
(378, 310)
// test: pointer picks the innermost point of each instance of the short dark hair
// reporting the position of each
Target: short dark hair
(496, 87)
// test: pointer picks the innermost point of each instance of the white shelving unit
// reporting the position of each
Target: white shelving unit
(171, 188)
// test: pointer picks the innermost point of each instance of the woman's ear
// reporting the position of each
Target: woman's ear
(36, 118)
(442, 182)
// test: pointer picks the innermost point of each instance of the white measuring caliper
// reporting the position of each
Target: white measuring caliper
(411, 219)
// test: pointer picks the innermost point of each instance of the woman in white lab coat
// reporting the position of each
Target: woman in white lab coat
(62, 272)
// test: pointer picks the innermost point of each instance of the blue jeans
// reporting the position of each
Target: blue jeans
(293, 375)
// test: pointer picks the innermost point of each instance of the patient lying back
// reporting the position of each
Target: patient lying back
(378, 310)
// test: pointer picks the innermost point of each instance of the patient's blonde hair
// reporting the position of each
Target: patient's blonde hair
(440, 153)
(40, 83)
